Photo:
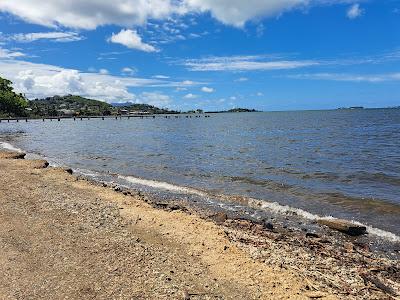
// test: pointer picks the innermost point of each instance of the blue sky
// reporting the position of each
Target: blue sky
(209, 54)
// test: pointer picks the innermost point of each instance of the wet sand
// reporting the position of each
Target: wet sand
(65, 237)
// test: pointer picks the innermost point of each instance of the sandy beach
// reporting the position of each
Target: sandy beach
(63, 237)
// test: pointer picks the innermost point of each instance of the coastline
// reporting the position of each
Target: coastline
(163, 250)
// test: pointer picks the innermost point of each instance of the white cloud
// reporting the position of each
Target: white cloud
(206, 89)
(130, 38)
(53, 36)
(245, 63)
(160, 76)
(154, 98)
(128, 71)
(373, 78)
(5, 53)
(188, 82)
(242, 79)
(103, 71)
(179, 89)
(41, 80)
(90, 14)
(259, 94)
(237, 12)
(190, 96)
(354, 11)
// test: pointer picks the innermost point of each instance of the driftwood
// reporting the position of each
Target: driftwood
(377, 283)
(344, 226)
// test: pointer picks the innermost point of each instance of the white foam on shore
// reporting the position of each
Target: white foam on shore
(258, 204)
(281, 209)
(163, 185)
(8, 146)
(285, 209)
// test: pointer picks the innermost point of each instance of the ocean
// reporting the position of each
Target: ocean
(339, 163)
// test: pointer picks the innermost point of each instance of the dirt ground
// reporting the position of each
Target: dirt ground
(65, 238)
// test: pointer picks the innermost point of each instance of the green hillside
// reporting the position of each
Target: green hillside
(69, 105)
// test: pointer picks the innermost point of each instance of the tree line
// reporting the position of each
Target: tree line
(11, 103)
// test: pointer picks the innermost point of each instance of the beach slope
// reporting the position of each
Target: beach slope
(63, 237)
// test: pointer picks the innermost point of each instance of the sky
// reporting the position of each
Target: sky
(207, 54)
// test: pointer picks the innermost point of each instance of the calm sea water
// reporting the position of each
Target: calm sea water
(341, 163)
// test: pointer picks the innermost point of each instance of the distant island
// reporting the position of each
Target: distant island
(352, 107)
(233, 110)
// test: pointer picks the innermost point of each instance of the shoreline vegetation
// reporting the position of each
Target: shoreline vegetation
(13, 105)
(66, 235)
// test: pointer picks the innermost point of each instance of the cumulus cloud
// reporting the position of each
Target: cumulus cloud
(206, 89)
(238, 12)
(90, 14)
(41, 80)
(355, 11)
(130, 38)
(245, 63)
(128, 71)
(52, 36)
(190, 96)
(154, 98)
(242, 79)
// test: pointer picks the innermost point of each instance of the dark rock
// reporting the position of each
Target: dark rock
(312, 235)
(68, 170)
(268, 225)
(40, 164)
(173, 207)
(12, 155)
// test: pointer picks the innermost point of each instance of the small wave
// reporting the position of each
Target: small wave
(8, 146)
(285, 209)
(372, 177)
(162, 185)
(256, 203)
(282, 209)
